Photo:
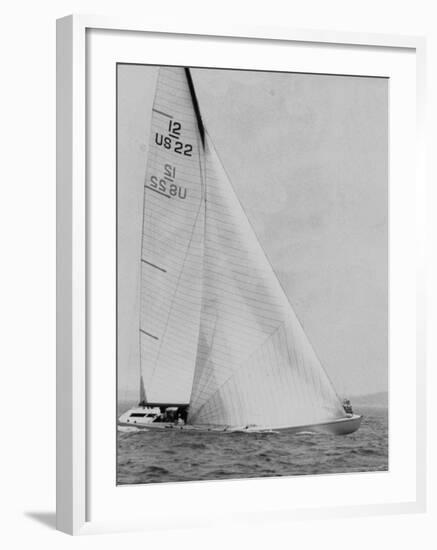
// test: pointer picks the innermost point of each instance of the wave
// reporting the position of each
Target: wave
(155, 470)
(128, 429)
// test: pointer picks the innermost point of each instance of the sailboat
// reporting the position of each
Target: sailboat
(221, 348)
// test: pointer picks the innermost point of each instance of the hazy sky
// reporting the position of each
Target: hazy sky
(308, 158)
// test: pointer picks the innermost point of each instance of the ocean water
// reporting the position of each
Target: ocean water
(157, 456)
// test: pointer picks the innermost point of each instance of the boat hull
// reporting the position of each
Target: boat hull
(340, 426)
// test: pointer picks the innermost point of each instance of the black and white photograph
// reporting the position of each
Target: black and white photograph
(219, 258)
(252, 274)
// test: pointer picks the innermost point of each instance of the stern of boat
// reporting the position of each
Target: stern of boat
(343, 426)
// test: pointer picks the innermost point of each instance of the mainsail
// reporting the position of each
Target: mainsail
(172, 244)
(217, 329)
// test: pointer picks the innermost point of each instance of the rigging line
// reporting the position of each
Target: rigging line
(273, 271)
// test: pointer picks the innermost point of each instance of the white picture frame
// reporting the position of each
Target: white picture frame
(74, 343)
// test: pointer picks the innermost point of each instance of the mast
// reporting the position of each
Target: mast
(195, 105)
(143, 398)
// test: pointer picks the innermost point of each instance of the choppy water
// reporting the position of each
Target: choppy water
(156, 456)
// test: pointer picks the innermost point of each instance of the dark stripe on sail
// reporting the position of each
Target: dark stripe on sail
(155, 266)
(148, 334)
(156, 191)
(162, 113)
(195, 105)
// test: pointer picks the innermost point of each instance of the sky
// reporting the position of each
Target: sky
(308, 158)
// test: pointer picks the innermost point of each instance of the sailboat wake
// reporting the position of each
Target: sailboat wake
(130, 429)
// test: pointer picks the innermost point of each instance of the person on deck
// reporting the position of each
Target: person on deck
(180, 420)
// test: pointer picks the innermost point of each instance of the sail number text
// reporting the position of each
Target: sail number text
(166, 185)
(172, 141)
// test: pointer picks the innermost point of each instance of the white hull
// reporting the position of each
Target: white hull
(340, 426)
